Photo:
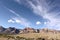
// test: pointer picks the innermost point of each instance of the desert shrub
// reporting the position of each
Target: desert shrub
(4, 35)
(17, 38)
(0, 34)
(30, 39)
(40, 38)
(51, 39)
(20, 38)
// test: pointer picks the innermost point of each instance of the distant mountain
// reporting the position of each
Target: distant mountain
(2, 29)
(9, 30)
(12, 30)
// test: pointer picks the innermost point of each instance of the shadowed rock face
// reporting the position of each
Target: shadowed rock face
(9, 30)
(2, 29)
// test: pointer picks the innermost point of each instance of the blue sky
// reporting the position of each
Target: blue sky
(30, 13)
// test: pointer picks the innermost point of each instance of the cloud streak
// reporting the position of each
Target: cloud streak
(42, 8)
(22, 21)
(19, 19)
(18, 1)
(48, 9)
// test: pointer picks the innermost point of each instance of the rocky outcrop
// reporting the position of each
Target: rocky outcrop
(27, 30)
(46, 30)
(12, 30)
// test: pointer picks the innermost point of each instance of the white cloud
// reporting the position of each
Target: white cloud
(38, 23)
(42, 8)
(22, 21)
(45, 22)
(11, 21)
(19, 19)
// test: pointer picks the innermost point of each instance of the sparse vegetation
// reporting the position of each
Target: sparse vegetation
(30, 34)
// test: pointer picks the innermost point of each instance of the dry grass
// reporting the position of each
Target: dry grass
(38, 35)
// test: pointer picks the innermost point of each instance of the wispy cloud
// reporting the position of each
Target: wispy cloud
(43, 8)
(13, 12)
(18, 1)
(22, 21)
(19, 19)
